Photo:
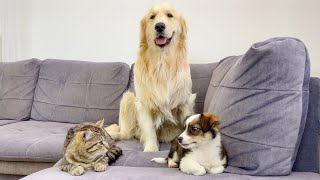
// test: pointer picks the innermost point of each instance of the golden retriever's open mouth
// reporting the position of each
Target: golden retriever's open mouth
(163, 41)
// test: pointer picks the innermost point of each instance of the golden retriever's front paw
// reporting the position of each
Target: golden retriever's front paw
(151, 147)
(173, 165)
(77, 171)
(99, 167)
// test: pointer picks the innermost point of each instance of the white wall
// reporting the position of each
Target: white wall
(107, 30)
(15, 29)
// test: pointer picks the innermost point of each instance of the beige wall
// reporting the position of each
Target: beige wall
(105, 30)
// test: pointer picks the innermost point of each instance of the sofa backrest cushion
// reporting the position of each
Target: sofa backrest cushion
(200, 74)
(79, 91)
(261, 98)
(17, 85)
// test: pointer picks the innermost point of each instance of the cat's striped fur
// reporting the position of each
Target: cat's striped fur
(88, 146)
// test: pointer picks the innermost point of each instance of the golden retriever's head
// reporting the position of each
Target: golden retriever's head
(162, 26)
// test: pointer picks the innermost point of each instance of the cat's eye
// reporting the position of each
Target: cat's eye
(169, 15)
(152, 17)
(194, 129)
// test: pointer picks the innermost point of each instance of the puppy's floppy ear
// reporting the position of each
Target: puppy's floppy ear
(208, 121)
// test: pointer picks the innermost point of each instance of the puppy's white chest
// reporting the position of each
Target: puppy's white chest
(207, 156)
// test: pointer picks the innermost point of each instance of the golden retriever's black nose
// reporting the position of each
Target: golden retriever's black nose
(180, 139)
(160, 27)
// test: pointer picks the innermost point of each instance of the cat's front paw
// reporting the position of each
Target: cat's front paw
(77, 171)
(99, 167)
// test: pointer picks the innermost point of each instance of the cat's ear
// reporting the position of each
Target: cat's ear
(100, 123)
(87, 135)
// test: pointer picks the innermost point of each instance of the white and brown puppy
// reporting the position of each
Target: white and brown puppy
(198, 149)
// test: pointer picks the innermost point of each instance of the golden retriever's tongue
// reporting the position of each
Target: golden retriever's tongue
(161, 40)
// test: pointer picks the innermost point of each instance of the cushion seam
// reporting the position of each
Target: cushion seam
(289, 148)
(259, 89)
(84, 83)
(72, 106)
(14, 99)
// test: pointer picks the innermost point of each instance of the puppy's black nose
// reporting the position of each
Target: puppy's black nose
(180, 139)
(160, 27)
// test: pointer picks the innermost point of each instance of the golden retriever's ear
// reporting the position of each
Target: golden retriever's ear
(183, 27)
(143, 36)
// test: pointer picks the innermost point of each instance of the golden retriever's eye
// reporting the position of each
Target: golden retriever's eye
(152, 17)
(169, 15)
(194, 129)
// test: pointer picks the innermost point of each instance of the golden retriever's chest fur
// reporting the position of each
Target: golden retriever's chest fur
(167, 86)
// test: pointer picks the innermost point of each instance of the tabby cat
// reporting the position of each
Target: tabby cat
(88, 146)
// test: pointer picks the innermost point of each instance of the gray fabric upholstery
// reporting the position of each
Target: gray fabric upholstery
(5, 121)
(17, 83)
(308, 158)
(200, 74)
(34, 141)
(134, 173)
(22, 168)
(261, 98)
(77, 91)
(134, 156)
(10, 177)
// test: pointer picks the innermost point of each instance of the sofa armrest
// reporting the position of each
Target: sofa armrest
(308, 157)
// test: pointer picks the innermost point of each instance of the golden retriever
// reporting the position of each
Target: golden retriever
(162, 80)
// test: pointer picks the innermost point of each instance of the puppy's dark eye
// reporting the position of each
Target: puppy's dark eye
(152, 17)
(194, 129)
(169, 15)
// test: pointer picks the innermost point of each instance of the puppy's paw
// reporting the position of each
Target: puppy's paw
(173, 165)
(77, 171)
(99, 167)
(151, 147)
(194, 170)
(216, 170)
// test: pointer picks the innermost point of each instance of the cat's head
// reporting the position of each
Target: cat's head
(92, 140)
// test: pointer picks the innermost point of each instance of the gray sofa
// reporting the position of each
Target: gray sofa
(41, 100)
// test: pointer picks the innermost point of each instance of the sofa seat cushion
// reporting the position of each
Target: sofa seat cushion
(79, 91)
(17, 86)
(35, 141)
(22, 168)
(134, 156)
(7, 121)
(137, 173)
